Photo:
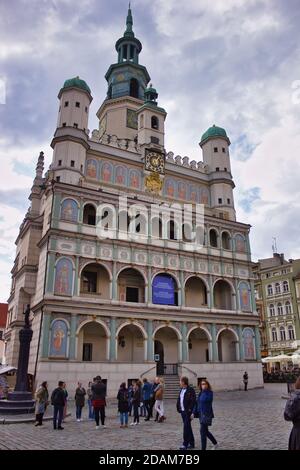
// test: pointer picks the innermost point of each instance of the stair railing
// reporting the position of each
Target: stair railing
(190, 370)
(146, 372)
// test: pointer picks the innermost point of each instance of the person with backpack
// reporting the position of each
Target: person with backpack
(98, 400)
(292, 413)
(41, 403)
(58, 400)
(123, 405)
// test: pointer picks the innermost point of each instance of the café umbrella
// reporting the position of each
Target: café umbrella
(279, 358)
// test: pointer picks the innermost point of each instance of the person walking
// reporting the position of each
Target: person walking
(152, 398)
(205, 411)
(90, 405)
(98, 400)
(79, 400)
(58, 400)
(66, 401)
(130, 395)
(159, 403)
(136, 400)
(245, 380)
(123, 405)
(292, 413)
(146, 395)
(42, 401)
(186, 402)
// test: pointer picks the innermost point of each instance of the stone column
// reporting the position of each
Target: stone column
(257, 344)
(112, 349)
(215, 355)
(72, 347)
(184, 342)
(114, 281)
(150, 345)
(149, 285)
(240, 333)
(46, 332)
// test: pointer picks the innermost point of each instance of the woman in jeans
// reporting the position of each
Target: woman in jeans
(90, 405)
(79, 400)
(159, 397)
(136, 400)
(123, 405)
(42, 401)
(205, 411)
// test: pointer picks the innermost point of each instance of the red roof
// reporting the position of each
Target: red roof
(3, 315)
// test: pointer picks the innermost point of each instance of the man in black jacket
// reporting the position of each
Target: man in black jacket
(58, 400)
(98, 399)
(185, 406)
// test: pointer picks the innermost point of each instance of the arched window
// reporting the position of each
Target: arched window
(272, 310)
(291, 332)
(270, 290)
(285, 286)
(154, 122)
(274, 334)
(282, 333)
(226, 241)
(172, 230)
(134, 88)
(213, 238)
(277, 288)
(288, 307)
(89, 214)
(279, 308)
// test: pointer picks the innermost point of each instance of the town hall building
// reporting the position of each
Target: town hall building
(132, 307)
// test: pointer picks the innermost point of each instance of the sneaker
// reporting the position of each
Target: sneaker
(97, 427)
(103, 425)
(182, 447)
(60, 427)
(132, 424)
(78, 420)
(121, 426)
(215, 446)
(126, 426)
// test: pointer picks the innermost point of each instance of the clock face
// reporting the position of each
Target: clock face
(155, 161)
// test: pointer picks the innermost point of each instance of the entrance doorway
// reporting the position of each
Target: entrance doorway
(159, 350)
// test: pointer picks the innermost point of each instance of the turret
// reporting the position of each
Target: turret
(70, 139)
(151, 120)
(215, 147)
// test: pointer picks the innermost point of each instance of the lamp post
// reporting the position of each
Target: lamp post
(20, 400)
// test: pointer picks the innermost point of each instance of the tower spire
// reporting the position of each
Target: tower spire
(129, 23)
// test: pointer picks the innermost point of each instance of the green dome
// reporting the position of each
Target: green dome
(212, 132)
(78, 83)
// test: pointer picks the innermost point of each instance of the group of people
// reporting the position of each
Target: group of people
(151, 394)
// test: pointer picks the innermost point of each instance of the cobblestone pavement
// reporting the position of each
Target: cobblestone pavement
(243, 420)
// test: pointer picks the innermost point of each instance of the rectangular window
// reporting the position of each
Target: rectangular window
(217, 169)
(220, 200)
(75, 125)
(87, 351)
(216, 149)
(154, 140)
(77, 104)
(228, 201)
(223, 150)
(72, 163)
(225, 169)
(59, 162)
(86, 109)
(90, 282)
(66, 104)
(132, 294)
(58, 179)
(64, 124)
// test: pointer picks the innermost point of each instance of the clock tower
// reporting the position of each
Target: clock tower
(127, 81)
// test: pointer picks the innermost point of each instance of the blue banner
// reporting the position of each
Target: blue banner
(163, 290)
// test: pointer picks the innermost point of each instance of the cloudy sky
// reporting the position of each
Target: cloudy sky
(235, 63)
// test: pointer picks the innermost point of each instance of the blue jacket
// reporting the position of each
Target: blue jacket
(146, 391)
(204, 407)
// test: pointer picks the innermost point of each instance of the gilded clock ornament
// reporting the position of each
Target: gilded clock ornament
(154, 161)
(153, 183)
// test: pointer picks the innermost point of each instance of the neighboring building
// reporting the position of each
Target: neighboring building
(277, 285)
(3, 320)
(113, 306)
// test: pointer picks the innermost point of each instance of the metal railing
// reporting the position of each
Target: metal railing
(170, 369)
